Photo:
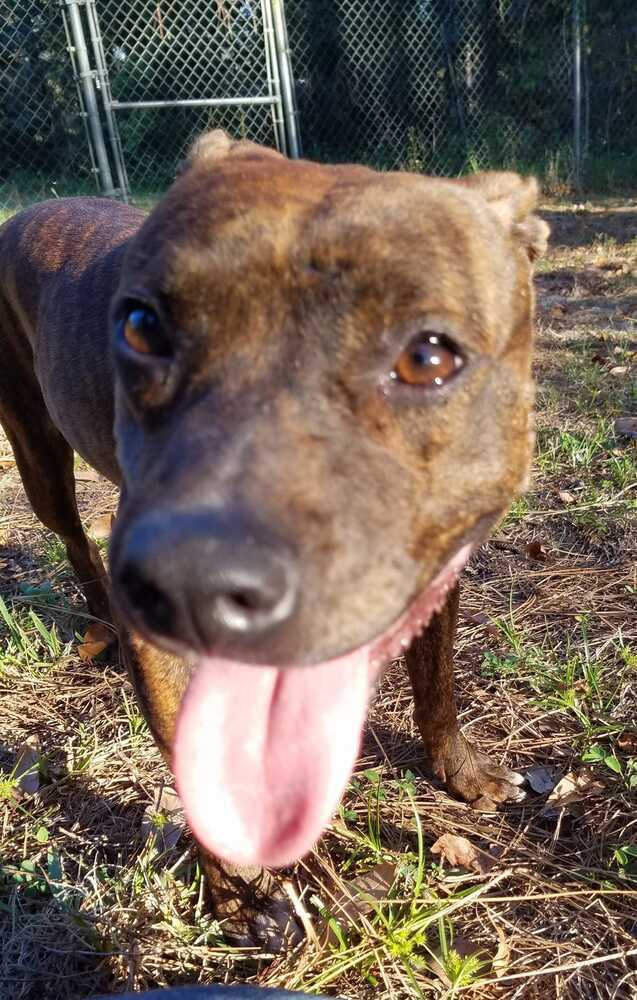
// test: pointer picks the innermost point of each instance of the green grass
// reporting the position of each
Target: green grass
(411, 929)
(28, 642)
(547, 668)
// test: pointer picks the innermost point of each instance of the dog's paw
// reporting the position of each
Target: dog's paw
(472, 776)
(276, 928)
(252, 907)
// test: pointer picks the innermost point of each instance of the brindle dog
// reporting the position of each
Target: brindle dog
(313, 385)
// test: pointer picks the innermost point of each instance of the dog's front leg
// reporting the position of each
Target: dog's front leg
(249, 902)
(251, 905)
(466, 772)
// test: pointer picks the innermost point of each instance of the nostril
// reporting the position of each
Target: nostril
(148, 599)
(241, 610)
(252, 605)
(246, 600)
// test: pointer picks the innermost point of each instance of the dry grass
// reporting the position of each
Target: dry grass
(547, 674)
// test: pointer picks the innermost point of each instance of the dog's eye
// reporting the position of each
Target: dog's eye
(142, 331)
(429, 360)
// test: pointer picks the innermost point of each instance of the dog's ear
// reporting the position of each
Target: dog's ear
(216, 145)
(513, 198)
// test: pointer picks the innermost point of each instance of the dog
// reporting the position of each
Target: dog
(313, 387)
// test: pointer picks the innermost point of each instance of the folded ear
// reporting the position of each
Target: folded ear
(214, 145)
(217, 145)
(513, 198)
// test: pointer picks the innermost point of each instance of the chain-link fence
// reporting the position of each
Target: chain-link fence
(437, 85)
(43, 145)
(108, 94)
(608, 103)
(447, 86)
(442, 86)
(185, 51)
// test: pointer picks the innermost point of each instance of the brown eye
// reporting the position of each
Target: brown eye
(142, 332)
(429, 360)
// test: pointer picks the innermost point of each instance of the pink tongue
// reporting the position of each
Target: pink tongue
(262, 755)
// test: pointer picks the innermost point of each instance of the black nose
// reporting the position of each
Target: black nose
(206, 581)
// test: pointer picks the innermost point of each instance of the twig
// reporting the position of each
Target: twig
(552, 969)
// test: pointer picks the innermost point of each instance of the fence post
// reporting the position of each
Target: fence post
(274, 79)
(287, 81)
(577, 95)
(86, 78)
(107, 100)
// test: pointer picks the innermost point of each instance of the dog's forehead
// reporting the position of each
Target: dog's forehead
(274, 211)
(250, 237)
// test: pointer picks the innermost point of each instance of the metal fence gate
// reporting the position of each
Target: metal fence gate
(177, 68)
(110, 93)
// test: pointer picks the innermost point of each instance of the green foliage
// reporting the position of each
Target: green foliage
(441, 87)
(428, 85)
(41, 130)
(597, 754)
(625, 857)
(27, 641)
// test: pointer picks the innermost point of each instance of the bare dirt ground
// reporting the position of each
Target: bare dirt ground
(99, 887)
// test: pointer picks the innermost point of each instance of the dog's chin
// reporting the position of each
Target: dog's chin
(262, 754)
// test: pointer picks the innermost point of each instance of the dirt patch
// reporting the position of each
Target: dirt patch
(547, 676)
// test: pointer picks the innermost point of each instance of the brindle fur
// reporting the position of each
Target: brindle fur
(289, 288)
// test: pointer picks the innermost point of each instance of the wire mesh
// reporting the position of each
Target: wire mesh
(432, 84)
(154, 141)
(175, 50)
(43, 147)
(440, 86)
(609, 94)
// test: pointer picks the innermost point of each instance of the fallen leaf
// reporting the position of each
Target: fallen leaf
(566, 497)
(557, 312)
(574, 786)
(618, 370)
(87, 476)
(27, 766)
(481, 618)
(99, 632)
(626, 426)
(98, 637)
(359, 894)
(502, 957)
(100, 527)
(484, 804)
(461, 853)
(627, 740)
(542, 779)
(599, 359)
(535, 550)
(164, 821)
(485, 621)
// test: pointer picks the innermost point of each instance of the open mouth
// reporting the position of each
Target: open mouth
(262, 754)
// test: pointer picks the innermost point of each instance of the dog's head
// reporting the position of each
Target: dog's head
(323, 405)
